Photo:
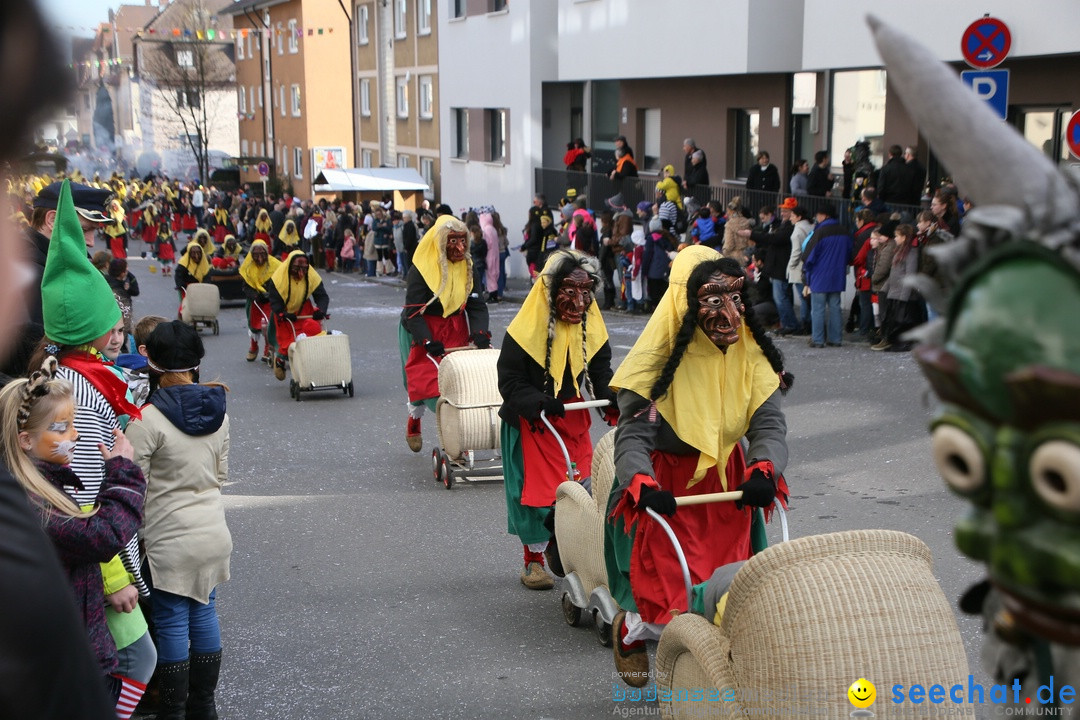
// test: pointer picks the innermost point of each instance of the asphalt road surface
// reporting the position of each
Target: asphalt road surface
(362, 589)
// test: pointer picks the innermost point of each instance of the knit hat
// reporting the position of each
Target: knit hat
(174, 347)
(789, 203)
(655, 224)
(77, 303)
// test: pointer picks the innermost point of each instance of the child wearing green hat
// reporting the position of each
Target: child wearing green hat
(79, 313)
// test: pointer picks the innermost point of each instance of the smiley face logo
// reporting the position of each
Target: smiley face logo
(862, 693)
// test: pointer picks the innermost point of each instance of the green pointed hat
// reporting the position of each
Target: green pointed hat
(77, 303)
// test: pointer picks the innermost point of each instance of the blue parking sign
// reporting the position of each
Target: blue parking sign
(991, 86)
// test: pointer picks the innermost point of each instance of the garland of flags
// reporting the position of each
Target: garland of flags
(208, 33)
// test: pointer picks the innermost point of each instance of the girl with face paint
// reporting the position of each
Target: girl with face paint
(37, 416)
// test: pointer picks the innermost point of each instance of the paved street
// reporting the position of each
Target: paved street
(362, 589)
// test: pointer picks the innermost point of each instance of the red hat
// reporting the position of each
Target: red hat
(789, 203)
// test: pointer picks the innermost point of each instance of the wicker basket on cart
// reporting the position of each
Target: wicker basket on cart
(810, 617)
(201, 303)
(467, 413)
(579, 518)
(321, 362)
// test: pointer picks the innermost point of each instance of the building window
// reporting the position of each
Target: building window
(495, 131)
(240, 48)
(294, 41)
(403, 161)
(745, 127)
(260, 96)
(457, 8)
(247, 36)
(427, 96)
(187, 99)
(365, 97)
(459, 128)
(185, 58)
(366, 158)
(496, 5)
(295, 100)
(423, 17)
(399, 18)
(243, 148)
(251, 101)
(427, 171)
(242, 100)
(298, 163)
(402, 97)
(280, 39)
(362, 25)
(281, 99)
(651, 132)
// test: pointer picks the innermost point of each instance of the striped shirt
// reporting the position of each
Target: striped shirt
(94, 421)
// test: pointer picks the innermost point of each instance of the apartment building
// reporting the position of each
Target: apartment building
(519, 80)
(294, 63)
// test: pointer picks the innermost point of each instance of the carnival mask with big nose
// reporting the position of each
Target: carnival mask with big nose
(196, 254)
(258, 256)
(455, 246)
(720, 309)
(574, 297)
(299, 268)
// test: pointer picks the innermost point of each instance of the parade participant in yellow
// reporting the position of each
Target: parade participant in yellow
(287, 240)
(192, 268)
(263, 226)
(298, 301)
(256, 270)
(556, 346)
(701, 376)
(441, 311)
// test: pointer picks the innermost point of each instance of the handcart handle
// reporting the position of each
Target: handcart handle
(708, 498)
(583, 405)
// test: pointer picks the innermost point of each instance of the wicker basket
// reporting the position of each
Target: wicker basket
(321, 361)
(579, 518)
(809, 617)
(467, 413)
(201, 303)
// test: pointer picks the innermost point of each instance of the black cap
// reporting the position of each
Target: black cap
(174, 346)
(90, 202)
(444, 209)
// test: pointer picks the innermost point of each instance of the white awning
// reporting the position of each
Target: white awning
(369, 180)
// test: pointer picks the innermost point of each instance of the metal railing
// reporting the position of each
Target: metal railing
(597, 188)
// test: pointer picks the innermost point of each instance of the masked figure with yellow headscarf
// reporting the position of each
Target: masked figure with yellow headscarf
(298, 301)
(194, 267)
(287, 240)
(222, 224)
(702, 376)
(256, 270)
(441, 311)
(263, 226)
(205, 242)
(555, 346)
(116, 231)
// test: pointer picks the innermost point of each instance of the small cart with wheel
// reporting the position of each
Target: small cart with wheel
(320, 362)
(467, 417)
(200, 306)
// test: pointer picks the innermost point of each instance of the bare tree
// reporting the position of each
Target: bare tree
(189, 72)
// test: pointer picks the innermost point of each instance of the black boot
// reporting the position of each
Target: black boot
(551, 553)
(609, 298)
(173, 685)
(204, 680)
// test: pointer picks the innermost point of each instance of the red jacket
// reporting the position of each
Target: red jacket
(862, 248)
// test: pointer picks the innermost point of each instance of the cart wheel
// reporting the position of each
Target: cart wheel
(216, 327)
(446, 472)
(603, 630)
(436, 464)
(571, 613)
(296, 389)
(292, 389)
(350, 389)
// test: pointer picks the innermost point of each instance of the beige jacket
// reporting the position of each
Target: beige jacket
(188, 543)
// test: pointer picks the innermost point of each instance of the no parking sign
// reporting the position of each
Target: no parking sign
(985, 43)
(1072, 134)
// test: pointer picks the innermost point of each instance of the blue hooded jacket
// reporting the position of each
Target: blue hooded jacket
(827, 254)
(193, 409)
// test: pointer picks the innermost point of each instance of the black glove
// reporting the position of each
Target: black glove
(434, 348)
(290, 316)
(758, 491)
(481, 340)
(262, 298)
(553, 407)
(662, 501)
(318, 314)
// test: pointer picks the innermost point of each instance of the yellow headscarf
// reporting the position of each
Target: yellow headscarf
(714, 394)
(197, 271)
(289, 238)
(221, 215)
(235, 252)
(254, 275)
(262, 221)
(293, 292)
(529, 328)
(451, 282)
(203, 238)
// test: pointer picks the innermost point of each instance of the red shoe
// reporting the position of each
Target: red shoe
(413, 435)
(253, 351)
